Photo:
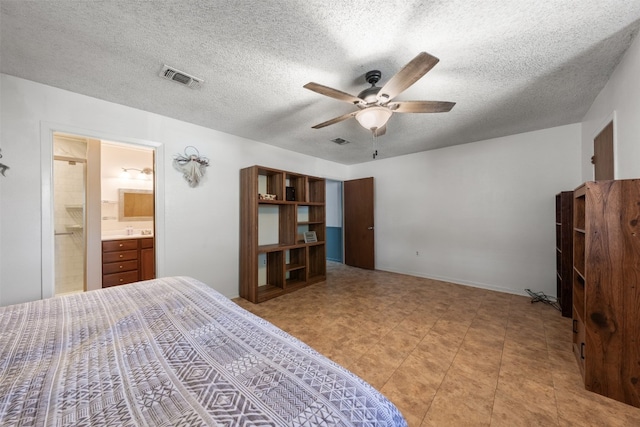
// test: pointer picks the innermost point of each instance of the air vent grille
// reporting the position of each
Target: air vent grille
(340, 141)
(181, 77)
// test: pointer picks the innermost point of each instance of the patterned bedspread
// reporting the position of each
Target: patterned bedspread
(169, 352)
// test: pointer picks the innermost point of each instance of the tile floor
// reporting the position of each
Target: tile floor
(446, 354)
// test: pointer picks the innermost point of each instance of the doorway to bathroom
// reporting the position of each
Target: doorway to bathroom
(91, 179)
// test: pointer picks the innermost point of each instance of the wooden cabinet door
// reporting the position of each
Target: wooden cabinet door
(359, 229)
(147, 264)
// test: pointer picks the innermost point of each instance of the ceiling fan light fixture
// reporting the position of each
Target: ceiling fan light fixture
(373, 118)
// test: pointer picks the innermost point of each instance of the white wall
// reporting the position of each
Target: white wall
(201, 224)
(619, 99)
(333, 199)
(480, 214)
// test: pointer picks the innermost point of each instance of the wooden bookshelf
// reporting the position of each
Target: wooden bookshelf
(274, 258)
(564, 251)
(606, 287)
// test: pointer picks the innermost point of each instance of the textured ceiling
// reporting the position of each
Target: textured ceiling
(510, 66)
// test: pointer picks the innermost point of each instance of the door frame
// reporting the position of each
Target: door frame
(47, 130)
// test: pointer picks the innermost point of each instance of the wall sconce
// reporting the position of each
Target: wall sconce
(142, 173)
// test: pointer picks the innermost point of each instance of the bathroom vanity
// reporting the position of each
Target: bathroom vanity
(127, 259)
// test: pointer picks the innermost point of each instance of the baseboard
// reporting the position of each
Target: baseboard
(457, 281)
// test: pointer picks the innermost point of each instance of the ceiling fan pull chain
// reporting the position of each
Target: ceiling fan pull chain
(373, 145)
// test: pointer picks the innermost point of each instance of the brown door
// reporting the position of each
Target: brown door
(358, 223)
(603, 154)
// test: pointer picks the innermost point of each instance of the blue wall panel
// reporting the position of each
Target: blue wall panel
(334, 244)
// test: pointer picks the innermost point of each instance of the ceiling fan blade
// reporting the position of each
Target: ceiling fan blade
(335, 120)
(421, 106)
(380, 131)
(333, 93)
(408, 75)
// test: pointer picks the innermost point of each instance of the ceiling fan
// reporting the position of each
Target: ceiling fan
(375, 103)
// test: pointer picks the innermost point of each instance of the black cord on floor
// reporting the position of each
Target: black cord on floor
(542, 297)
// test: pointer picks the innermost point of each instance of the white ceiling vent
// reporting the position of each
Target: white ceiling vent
(181, 77)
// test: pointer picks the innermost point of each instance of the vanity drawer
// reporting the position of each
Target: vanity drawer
(119, 245)
(119, 278)
(119, 256)
(127, 261)
(119, 267)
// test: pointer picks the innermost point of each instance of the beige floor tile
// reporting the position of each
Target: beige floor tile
(529, 393)
(411, 391)
(515, 368)
(483, 366)
(376, 368)
(513, 348)
(582, 407)
(440, 349)
(461, 401)
(486, 335)
(509, 412)
(417, 325)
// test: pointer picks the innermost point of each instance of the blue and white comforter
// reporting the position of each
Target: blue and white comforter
(169, 352)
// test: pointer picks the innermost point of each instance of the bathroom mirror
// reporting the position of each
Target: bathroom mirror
(135, 205)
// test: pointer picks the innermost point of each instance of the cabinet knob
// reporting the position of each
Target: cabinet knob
(120, 266)
(122, 280)
(121, 245)
(121, 255)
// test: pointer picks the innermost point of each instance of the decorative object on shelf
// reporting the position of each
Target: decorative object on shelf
(142, 173)
(191, 164)
(3, 167)
(310, 237)
(290, 194)
(267, 196)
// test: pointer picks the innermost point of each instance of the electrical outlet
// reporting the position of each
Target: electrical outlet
(417, 253)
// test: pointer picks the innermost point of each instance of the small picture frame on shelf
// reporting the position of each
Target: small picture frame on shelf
(310, 237)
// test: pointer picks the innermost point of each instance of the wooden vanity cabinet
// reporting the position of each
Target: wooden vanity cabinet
(147, 259)
(127, 261)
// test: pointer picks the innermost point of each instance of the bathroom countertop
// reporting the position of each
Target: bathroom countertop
(126, 236)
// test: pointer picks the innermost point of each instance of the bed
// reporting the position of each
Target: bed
(169, 352)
